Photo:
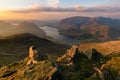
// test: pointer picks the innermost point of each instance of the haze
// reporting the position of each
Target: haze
(57, 9)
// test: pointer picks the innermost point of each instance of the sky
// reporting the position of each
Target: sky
(57, 9)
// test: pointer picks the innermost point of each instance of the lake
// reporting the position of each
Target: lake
(54, 33)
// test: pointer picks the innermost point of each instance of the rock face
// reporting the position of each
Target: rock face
(92, 54)
(68, 55)
(43, 70)
(74, 65)
(89, 65)
(99, 28)
(112, 67)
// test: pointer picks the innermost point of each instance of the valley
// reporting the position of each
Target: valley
(85, 51)
(59, 39)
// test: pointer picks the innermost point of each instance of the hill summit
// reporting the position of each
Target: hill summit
(73, 65)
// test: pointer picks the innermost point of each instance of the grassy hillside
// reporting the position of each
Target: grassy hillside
(16, 47)
(104, 48)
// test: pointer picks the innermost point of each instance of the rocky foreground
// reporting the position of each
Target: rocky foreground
(20, 71)
(73, 65)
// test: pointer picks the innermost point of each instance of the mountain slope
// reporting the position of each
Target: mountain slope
(105, 48)
(44, 70)
(7, 29)
(90, 28)
(27, 27)
(16, 47)
(75, 65)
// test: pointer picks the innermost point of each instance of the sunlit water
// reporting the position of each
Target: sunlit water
(54, 33)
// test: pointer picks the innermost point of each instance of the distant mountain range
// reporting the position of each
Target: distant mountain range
(98, 28)
(7, 29)
(87, 61)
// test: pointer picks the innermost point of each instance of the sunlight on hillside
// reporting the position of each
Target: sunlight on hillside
(105, 48)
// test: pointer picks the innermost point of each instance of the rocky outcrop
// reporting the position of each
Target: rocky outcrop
(93, 54)
(43, 70)
(68, 55)
(73, 65)
(111, 69)
(100, 73)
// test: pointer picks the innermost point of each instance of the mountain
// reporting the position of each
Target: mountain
(104, 48)
(44, 70)
(32, 28)
(16, 47)
(98, 28)
(75, 65)
(7, 29)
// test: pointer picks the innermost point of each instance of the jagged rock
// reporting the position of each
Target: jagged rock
(103, 74)
(78, 66)
(43, 70)
(68, 55)
(111, 69)
(92, 54)
(107, 75)
(100, 73)
(88, 53)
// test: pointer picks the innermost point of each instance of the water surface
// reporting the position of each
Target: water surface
(54, 33)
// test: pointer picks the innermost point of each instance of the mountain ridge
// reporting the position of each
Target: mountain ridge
(79, 67)
(21, 42)
(98, 28)
(104, 47)
(7, 29)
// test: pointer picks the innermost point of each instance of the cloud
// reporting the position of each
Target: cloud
(76, 8)
(37, 12)
(53, 3)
